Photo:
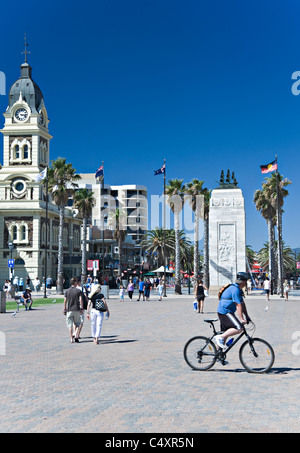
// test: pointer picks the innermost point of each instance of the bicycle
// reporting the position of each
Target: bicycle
(256, 355)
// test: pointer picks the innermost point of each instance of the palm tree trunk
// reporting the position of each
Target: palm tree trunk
(60, 267)
(83, 253)
(279, 252)
(120, 254)
(177, 255)
(206, 251)
(273, 256)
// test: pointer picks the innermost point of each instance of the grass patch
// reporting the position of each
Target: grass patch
(12, 305)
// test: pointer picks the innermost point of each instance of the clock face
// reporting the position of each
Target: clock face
(21, 114)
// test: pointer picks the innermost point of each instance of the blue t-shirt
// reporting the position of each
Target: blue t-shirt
(231, 296)
(141, 286)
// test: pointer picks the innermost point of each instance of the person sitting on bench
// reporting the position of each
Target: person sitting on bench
(26, 299)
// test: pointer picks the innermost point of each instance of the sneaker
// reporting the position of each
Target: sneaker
(219, 341)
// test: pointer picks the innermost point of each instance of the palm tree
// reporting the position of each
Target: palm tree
(251, 256)
(274, 186)
(174, 191)
(268, 212)
(194, 189)
(117, 222)
(184, 244)
(288, 257)
(153, 242)
(84, 201)
(61, 184)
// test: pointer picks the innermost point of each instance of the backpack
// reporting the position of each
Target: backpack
(223, 289)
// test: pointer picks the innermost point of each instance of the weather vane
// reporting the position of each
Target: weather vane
(26, 52)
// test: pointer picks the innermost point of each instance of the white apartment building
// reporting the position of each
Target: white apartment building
(130, 199)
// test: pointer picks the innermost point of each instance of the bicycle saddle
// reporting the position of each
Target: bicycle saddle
(210, 320)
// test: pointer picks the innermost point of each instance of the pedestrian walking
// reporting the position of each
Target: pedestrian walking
(200, 295)
(249, 286)
(37, 284)
(73, 308)
(16, 283)
(21, 284)
(159, 288)
(7, 288)
(141, 288)
(84, 295)
(286, 289)
(130, 289)
(28, 282)
(121, 293)
(97, 306)
(267, 288)
(147, 289)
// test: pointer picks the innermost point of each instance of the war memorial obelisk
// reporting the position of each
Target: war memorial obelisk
(227, 233)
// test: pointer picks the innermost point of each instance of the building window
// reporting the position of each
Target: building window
(20, 150)
(19, 233)
(14, 233)
(23, 233)
(25, 151)
(17, 152)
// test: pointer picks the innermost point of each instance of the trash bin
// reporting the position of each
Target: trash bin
(105, 291)
(2, 302)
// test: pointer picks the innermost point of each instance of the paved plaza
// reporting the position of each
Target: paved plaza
(136, 380)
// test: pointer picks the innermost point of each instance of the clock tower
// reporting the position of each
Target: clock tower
(26, 134)
(29, 225)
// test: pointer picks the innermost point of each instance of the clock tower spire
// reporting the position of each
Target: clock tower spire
(26, 134)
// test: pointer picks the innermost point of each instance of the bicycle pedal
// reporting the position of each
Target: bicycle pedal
(223, 362)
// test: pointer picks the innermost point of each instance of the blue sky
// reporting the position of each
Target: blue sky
(206, 85)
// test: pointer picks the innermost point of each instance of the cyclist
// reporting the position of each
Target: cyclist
(232, 301)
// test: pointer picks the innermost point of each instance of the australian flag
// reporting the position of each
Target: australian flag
(160, 171)
(99, 172)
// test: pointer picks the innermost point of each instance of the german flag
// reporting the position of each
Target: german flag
(269, 167)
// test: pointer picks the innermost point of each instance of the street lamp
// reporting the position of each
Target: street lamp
(11, 247)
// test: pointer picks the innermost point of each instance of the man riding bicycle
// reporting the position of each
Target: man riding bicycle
(232, 301)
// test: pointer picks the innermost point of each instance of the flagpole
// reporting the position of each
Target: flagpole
(46, 241)
(102, 190)
(164, 233)
(279, 252)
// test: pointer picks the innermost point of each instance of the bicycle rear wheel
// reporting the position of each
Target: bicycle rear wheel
(257, 357)
(200, 353)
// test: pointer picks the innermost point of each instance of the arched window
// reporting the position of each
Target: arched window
(25, 152)
(23, 233)
(14, 233)
(17, 152)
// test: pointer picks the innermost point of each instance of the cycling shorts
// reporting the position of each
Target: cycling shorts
(229, 321)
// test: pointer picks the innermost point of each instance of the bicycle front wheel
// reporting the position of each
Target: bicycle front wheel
(257, 356)
(200, 353)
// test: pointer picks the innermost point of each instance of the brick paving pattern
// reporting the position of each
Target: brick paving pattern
(136, 380)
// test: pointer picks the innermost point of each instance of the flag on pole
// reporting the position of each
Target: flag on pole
(269, 167)
(99, 172)
(41, 175)
(160, 171)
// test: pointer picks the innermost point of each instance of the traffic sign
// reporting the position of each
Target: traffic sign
(11, 263)
(89, 265)
(298, 264)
